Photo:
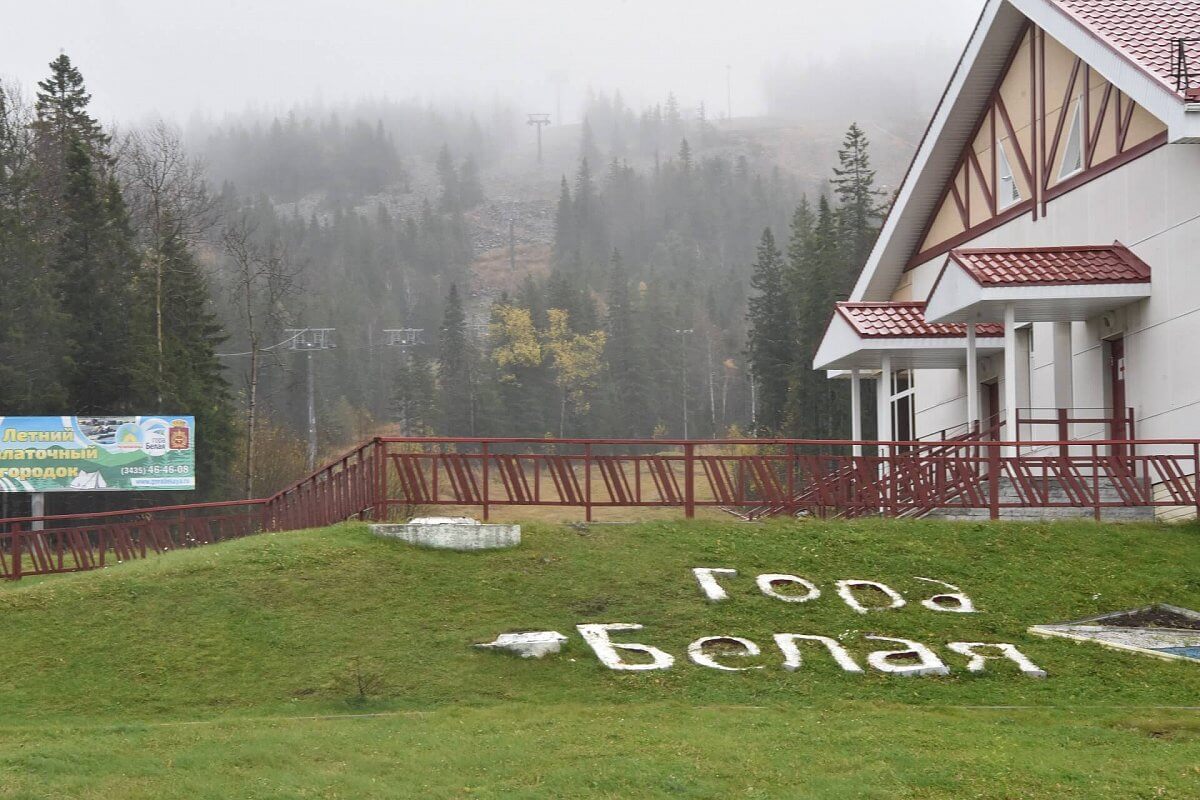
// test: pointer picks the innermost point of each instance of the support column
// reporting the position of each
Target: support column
(856, 412)
(883, 401)
(1064, 367)
(972, 378)
(1010, 377)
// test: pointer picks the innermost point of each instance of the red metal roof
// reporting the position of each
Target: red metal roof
(1141, 30)
(905, 321)
(1007, 266)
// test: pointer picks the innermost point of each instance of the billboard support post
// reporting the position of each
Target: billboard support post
(37, 508)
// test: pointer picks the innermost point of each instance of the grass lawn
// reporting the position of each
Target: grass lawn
(233, 671)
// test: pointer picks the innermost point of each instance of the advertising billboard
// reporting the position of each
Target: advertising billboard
(97, 454)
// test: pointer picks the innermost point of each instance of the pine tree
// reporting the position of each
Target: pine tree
(455, 369)
(62, 102)
(627, 386)
(770, 337)
(31, 345)
(194, 382)
(470, 188)
(414, 402)
(448, 176)
(859, 202)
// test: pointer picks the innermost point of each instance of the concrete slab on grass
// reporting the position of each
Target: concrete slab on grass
(452, 533)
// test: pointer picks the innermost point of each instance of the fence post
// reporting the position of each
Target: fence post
(16, 551)
(689, 481)
(1064, 434)
(486, 475)
(379, 504)
(1196, 476)
(587, 481)
(790, 502)
(994, 479)
(1096, 480)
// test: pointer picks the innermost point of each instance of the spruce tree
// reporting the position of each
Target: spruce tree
(770, 337)
(455, 365)
(32, 348)
(859, 202)
(623, 352)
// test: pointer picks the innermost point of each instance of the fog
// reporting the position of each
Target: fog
(146, 57)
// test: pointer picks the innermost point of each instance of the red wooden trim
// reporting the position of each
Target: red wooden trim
(1087, 113)
(1052, 153)
(988, 193)
(970, 145)
(963, 214)
(1012, 137)
(1123, 125)
(995, 158)
(1095, 140)
(941, 248)
(1041, 166)
(1075, 181)
(1033, 118)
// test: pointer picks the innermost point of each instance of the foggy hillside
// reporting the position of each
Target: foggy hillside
(663, 269)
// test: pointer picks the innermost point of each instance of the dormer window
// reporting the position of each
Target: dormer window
(1007, 192)
(1073, 155)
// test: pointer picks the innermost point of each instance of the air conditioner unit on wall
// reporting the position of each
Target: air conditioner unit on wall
(1112, 324)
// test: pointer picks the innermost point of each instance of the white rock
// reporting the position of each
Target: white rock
(533, 644)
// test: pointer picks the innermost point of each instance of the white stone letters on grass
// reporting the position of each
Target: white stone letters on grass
(607, 650)
(954, 601)
(914, 659)
(707, 578)
(698, 655)
(978, 660)
(767, 585)
(728, 653)
(845, 590)
(787, 643)
(785, 587)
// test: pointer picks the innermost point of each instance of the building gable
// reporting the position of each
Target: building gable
(1052, 122)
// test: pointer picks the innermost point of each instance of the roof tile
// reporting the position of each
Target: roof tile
(904, 321)
(1113, 263)
(1141, 30)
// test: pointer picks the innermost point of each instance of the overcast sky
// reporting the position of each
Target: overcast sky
(142, 57)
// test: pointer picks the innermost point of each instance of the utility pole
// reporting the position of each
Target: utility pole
(308, 340)
(683, 334)
(512, 247)
(540, 120)
(729, 93)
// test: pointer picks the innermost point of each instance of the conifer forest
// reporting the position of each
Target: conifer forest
(427, 270)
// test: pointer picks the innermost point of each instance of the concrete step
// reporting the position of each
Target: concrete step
(1008, 494)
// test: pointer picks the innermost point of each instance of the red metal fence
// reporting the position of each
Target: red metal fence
(754, 478)
(769, 477)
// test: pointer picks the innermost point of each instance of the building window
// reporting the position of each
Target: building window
(904, 412)
(1008, 193)
(1073, 155)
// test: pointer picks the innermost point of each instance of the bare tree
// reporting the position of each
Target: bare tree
(261, 278)
(168, 200)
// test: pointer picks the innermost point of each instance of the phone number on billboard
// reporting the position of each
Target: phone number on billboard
(166, 469)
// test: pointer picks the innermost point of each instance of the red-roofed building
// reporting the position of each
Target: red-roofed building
(1055, 198)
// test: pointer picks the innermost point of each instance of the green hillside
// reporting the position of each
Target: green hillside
(331, 664)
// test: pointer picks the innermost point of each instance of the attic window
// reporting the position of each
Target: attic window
(1073, 157)
(1008, 193)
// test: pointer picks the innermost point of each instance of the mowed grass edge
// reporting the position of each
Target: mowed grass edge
(111, 671)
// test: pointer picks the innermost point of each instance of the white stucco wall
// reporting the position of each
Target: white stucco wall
(1151, 205)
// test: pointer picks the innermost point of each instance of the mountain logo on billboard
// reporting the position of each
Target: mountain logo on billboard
(129, 437)
(155, 440)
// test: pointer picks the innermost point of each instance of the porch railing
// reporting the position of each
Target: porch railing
(392, 477)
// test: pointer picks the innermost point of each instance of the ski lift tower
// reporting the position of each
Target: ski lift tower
(540, 120)
(310, 340)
